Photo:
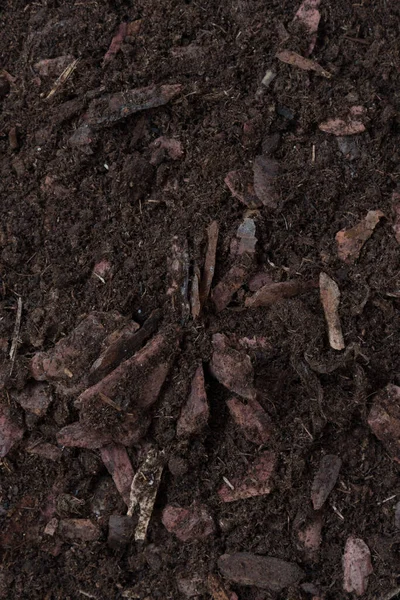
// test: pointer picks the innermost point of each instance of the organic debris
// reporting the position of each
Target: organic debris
(309, 17)
(384, 419)
(209, 262)
(232, 367)
(351, 241)
(116, 43)
(164, 146)
(120, 531)
(15, 336)
(218, 590)
(266, 171)
(144, 490)
(272, 293)
(305, 64)
(310, 536)
(178, 284)
(118, 464)
(396, 210)
(111, 108)
(78, 530)
(195, 304)
(356, 566)
(325, 479)
(65, 75)
(330, 298)
(263, 572)
(231, 282)
(251, 418)
(35, 399)
(256, 482)
(194, 414)
(343, 127)
(240, 186)
(53, 67)
(193, 523)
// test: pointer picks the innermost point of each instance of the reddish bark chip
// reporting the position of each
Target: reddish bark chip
(79, 530)
(69, 358)
(195, 413)
(309, 17)
(121, 381)
(77, 435)
(351, 241)
(118, 464)
(266, 170)
(188, 524)
(225, 289)
(384, 419)
(325, 479)
(271, 293)
(45, 450)
(241, 188)
(116, 43)
(263, 572)
(35, 399)
(341, 127)
(356, 566)
(53, 67)
(256, 481)
(305, 64)
(10, 432)
(255, 423)
(166, 146)
(310, 536)
(232, 368)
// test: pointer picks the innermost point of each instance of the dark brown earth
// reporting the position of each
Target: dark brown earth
(66, 205)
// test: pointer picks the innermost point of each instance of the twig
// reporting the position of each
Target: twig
(17, 326)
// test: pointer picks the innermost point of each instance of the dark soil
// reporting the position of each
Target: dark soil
(111, 203)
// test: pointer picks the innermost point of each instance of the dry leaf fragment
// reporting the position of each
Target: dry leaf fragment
(351, 241)
(144, 490)
(209, 263)
(65, 75)
(356, 566)
(306, 64)
(330, 298)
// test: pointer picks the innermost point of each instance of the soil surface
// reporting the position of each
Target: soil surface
(100, 217)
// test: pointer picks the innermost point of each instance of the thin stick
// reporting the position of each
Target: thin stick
(65, 75)
(17, 326)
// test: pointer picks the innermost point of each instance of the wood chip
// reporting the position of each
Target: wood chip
(271, 293)
(351, 241)
(330, 298)
(209, 263)
(292, 58)
(325, 479)
(15, 336)
(309, 17)
(144, 491)
(195, 305)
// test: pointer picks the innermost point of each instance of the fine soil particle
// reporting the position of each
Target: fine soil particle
(98, 197)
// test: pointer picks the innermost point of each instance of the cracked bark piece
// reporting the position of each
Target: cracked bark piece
(232, 367)
(266, 170)
(384, 419)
